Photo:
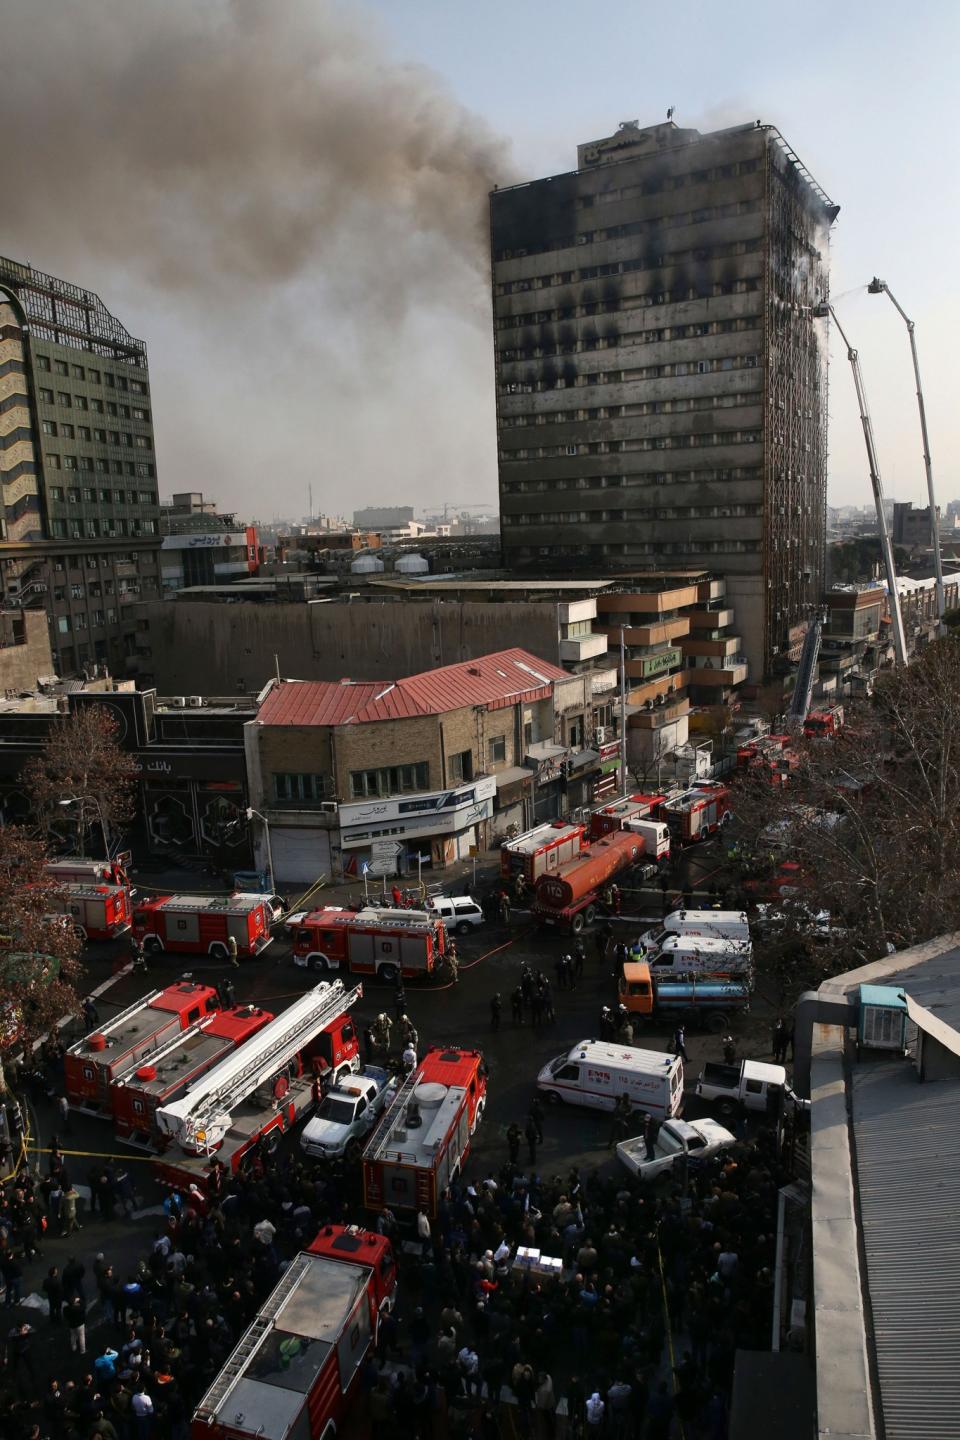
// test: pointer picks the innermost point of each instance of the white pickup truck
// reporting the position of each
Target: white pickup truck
(347, 1114)
(751, 1085)
(697, 1139)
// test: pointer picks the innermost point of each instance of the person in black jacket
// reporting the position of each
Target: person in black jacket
(52, 1287)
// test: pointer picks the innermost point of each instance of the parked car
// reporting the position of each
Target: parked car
(458, 912)
(697, 1139)
(347, 1114)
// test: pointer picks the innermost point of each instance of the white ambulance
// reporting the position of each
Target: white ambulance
(723, 924)
(596, 1074)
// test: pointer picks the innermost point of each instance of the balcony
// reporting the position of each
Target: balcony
(572, 610)
(601, 681)
(583, 647)
(660, 634)
(645, 602)
(659, 715)
(711, 619)
(735, 671)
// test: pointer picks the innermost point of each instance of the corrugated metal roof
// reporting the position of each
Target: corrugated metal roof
(933, 983)
(504, 678)
(908, 1162)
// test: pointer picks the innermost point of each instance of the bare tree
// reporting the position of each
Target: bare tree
(82, 763)
(872, 819)
(39, 947)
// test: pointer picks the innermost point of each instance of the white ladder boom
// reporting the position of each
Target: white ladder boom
(235, 1078)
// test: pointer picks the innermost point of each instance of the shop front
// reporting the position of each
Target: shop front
(439, 827)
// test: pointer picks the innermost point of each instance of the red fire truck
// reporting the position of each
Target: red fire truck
(72, 870)
(615, 815)
(423, 1137)
(93, 1063)
(698, 812)
(98, 912)
(541, 851)
(136, 1096)
(374, 941)
(262, 1089)
(821, 724)
(204, 924)
(297, 1368)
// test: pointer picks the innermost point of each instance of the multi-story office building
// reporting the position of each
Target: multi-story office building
(661, 380)
(79, 533)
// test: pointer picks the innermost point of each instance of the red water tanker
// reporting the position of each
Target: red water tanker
(570, 897)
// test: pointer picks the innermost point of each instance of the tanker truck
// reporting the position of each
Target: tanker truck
(569, 898)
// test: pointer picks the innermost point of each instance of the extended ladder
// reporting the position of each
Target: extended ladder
(251, 1340)
(238, 1076)
(384, 1127)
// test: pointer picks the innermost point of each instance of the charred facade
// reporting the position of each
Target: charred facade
(661, 382)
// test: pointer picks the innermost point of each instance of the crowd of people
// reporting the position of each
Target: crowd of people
(582, 1352)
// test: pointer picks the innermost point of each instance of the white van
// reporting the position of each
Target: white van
(596, 1074)
(729, 924)
(458, 912)
(700, 955)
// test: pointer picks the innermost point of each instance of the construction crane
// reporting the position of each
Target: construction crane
(880, 287)
(201, 1119)
(821, 312)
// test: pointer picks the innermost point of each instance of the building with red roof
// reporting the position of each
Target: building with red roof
(361, 773)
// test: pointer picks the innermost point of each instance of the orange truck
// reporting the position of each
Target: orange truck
(710, 1001)
(570, 898)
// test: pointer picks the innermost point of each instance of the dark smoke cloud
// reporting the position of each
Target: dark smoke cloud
(294, 222)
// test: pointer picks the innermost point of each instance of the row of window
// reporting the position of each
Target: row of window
(581, 551)
(656, 186)
(290, 786)
(61, 563)
(390, 780)
(696, 441)
(98, 466)
(67, 624)
(67, 401)
(95, 529)
(91, 376)
(669, 512)
(675, 406)
(649, 336)
(104, 497)
(655, 228)
(700, 255)
(102, 437)
(94, 590)
(644, 477)
(550, 381)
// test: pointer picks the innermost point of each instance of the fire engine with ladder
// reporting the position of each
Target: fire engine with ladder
(698, 812)
(297, 1368)
(423, 1137)
(165, 1075)
(263, 1088)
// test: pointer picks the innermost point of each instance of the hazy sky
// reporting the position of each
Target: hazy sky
(287, 200)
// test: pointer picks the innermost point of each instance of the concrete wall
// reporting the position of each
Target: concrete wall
(210, 649)
(22, 664)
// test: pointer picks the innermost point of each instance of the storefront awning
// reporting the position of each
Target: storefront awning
(513, 775)
(584, 760)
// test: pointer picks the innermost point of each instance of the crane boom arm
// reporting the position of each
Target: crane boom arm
(228, 1084)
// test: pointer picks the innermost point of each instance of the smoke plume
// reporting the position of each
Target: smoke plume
(293, 221)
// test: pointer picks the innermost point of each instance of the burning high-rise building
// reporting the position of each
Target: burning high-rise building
(661, 382)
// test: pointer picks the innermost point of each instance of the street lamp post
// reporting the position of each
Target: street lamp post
(83, 800)
(266, 835)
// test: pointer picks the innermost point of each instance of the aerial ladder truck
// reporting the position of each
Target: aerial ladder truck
(263, 1088)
